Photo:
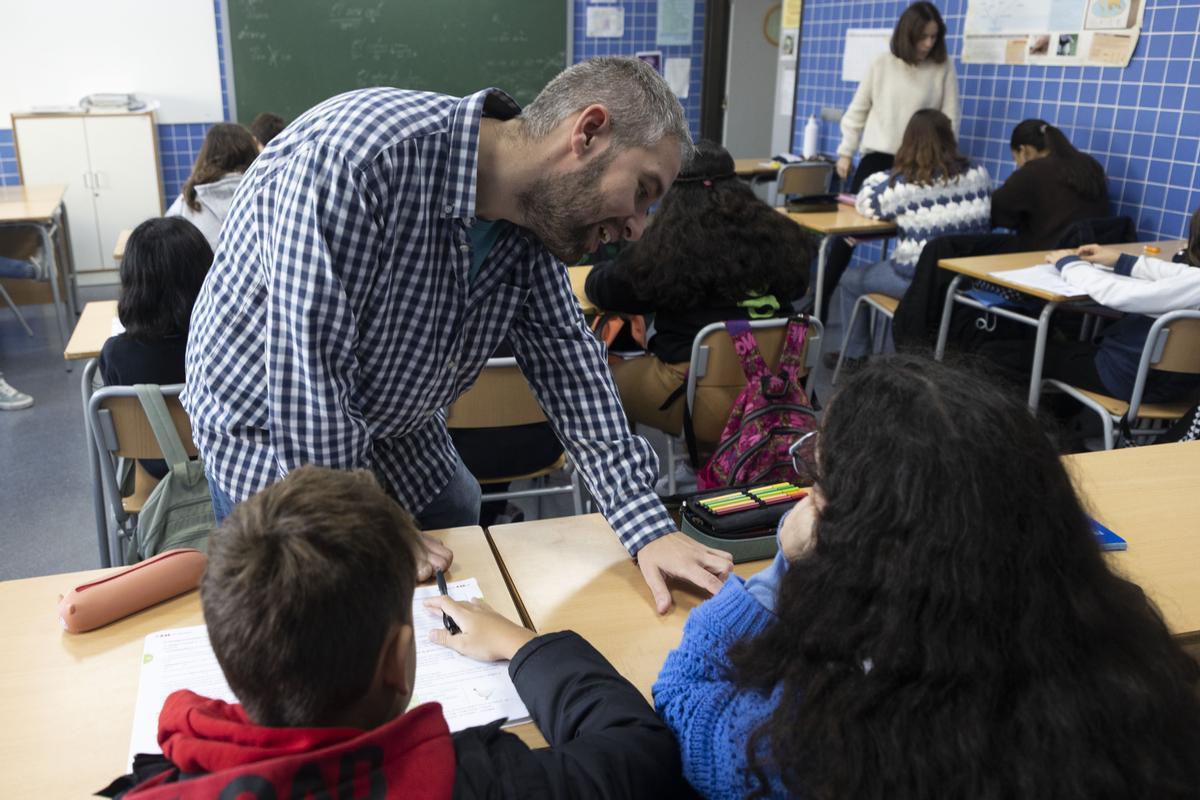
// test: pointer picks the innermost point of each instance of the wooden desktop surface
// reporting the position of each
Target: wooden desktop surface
(981, 267)
(842, 222)
(1144, 495)
(30, 203)
(122, 239)
(572, 573)
(92, 331)
(66, 711)
(754, 167)
(578, 278)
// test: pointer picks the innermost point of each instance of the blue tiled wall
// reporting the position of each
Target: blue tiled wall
(178, 144)
(1142, 122)
(641, 19)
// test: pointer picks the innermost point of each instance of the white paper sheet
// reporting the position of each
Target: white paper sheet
(676, 19)
(1043, 277)
(471, 692)
(605, 22)
(678, 72)
(862, 46)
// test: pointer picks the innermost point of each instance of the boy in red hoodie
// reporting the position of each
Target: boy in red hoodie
(308, 601)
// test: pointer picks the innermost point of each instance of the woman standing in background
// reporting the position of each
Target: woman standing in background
(917, 73)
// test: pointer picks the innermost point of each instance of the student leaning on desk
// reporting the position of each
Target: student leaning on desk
(308, 601)
(380, 250)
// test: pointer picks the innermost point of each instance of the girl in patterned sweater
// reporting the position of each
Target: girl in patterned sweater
(942, 624)
(931, 191)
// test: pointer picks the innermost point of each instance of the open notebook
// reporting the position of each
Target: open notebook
(471, 692)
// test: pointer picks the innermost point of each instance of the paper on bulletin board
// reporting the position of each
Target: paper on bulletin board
(1111, 49)
(605, 22)
(999, 48)
(678, 73)
(863, 46)
(1106, 15)
(791, 14)
(675, 21)
(1054, 49)
(787, 90)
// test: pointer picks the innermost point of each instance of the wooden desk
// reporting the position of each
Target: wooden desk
(571, 572)
(578, 278)
(68, 698)
(751, 168)
(41, 207)
(1144, 494)
(829, 224)
(981, 267)
(122, 239)
(92, 331)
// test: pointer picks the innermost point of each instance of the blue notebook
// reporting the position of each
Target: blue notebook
(1107, 539)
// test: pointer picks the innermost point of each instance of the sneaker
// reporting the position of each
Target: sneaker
(11, 399)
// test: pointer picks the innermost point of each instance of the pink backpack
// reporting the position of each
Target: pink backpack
(770, 414)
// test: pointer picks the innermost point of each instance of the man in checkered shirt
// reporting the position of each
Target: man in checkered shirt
(381, 249)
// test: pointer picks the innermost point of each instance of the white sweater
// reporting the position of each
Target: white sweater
(890, 93)
(1136, 286)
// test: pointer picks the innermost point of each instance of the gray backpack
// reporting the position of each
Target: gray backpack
(178, 512)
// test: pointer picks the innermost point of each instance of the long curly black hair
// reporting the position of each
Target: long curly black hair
(955, 631)
(713, 243)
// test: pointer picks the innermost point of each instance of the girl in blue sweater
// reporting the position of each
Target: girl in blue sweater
(941, 624)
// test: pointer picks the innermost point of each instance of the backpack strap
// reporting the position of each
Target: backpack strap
(159, 417)
(754, 367)
(791, 358)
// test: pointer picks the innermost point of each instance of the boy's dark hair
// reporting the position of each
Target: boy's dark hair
(713, 243)
(227, 148)
(266, 126)
(166, 259)
(1192, 251)
(928, 151)
(304, 582)
(954, 630)
(909, 28)
(1081, 172)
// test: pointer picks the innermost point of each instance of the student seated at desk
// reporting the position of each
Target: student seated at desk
(931, 191)
(308, 601)
(227, 151)
(714, 252)
(166, 260)
(265, 127)
(941, 623)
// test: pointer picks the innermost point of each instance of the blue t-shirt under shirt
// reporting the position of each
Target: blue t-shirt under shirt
(483, 235)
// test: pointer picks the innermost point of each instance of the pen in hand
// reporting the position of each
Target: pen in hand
(447, 620)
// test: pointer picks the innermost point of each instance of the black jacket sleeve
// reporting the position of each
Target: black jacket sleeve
(605, 740)
(611, 290)
(1010, 204)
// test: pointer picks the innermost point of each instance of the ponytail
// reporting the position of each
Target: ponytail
(1083, 173)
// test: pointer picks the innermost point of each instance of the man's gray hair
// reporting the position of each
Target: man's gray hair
(642, 108)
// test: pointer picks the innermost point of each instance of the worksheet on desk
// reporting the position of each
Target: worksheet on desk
(1044, 277)
(471, 692)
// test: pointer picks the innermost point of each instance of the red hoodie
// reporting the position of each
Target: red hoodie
(412, 756)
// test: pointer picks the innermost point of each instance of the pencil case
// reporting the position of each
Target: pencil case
(740, 520)
(120, 594)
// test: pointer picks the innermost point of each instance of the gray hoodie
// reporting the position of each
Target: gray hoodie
(214, 199)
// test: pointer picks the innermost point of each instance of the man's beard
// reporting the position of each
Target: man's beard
(564, 211)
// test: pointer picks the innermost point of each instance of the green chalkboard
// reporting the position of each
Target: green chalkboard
(289, 55)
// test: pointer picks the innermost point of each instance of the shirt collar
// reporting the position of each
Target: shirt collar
(458, 200)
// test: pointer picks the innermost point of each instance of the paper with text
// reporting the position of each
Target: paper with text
(1043, 277)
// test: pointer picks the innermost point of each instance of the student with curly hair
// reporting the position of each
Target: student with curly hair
(714, 252)
(944, 624)
(227, 151)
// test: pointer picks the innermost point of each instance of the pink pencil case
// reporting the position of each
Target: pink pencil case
(112, 597)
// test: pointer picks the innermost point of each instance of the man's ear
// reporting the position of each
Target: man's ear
(396, 673)
(591, 127)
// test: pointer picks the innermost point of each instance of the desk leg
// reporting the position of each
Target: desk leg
(68, 261)
(1039, 356)
(822, 255)
(85, 390)
(52, 265)
(947, 312)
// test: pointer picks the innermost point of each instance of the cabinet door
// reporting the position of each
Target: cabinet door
(54, 150)
(125, 165)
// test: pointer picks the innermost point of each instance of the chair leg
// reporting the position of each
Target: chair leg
(576, 493)
(1109, 436)
(846, 339)
(670, 465)
(17, 311)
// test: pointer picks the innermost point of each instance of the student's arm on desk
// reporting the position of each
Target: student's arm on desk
(1148, 286)
(609, 287)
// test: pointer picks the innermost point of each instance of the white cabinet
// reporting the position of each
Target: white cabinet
(109, 163)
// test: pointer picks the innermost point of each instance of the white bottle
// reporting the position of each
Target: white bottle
(811, 130)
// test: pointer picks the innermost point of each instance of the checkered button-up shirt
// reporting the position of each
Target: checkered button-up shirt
(338, 321)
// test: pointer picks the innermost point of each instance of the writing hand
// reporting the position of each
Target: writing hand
(486, 635)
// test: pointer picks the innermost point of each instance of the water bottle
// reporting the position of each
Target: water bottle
(811, 130)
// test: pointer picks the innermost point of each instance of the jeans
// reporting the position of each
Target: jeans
(859, 280)
(221, 503)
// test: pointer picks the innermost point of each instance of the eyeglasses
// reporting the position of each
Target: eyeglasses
(804, 457)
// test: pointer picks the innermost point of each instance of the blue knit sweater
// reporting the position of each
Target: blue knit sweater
(710, 716)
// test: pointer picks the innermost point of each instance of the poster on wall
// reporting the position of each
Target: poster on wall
(1055, 33)
(605, 22)
(675, 21)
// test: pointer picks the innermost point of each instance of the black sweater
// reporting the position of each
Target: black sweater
(1037, 203)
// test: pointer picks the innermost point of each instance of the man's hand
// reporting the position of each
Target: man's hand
(486, 635)
(432, 556)
(677, 556)
(843, 167)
